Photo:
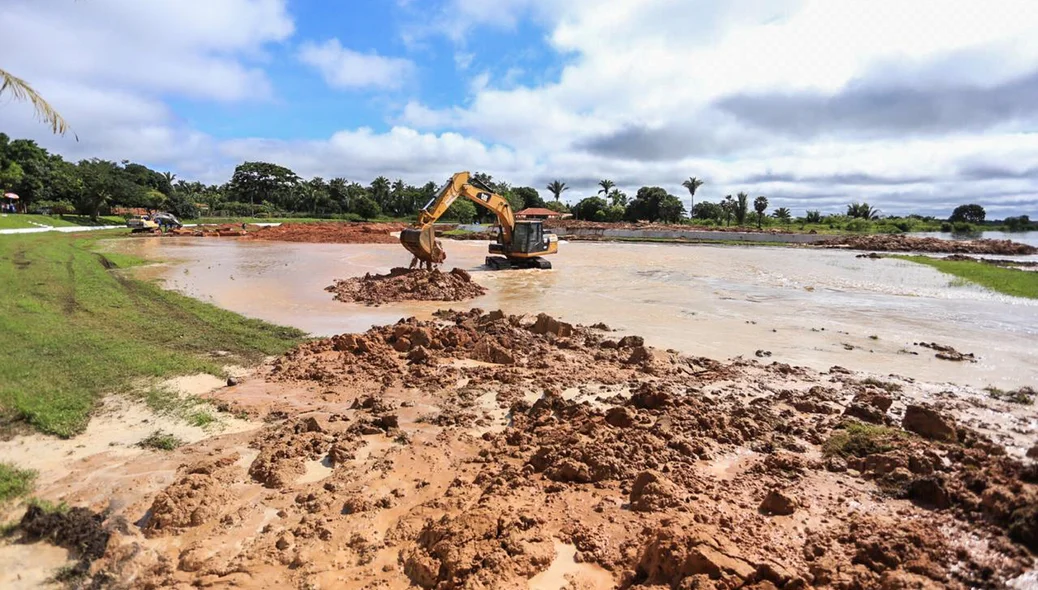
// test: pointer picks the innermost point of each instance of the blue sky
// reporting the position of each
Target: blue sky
(914, 106)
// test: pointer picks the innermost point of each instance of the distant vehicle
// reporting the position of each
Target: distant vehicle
(141, 223)
(153, 223)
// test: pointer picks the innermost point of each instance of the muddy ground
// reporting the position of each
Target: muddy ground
(330, 233)
(899, 243)
(491, 451)
(402, 284)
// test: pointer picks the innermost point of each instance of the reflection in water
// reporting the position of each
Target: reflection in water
(805, 306)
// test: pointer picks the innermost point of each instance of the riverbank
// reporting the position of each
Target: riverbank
(76, 327)
(1002, 279)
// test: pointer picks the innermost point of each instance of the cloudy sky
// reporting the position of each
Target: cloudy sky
(914, 105)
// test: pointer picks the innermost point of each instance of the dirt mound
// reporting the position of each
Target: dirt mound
(194, 499)
(899, 243)
(392, 459)
(479, 549)
(330, 233)
(402, 284)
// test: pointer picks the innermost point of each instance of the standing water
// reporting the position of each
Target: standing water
(817, 308)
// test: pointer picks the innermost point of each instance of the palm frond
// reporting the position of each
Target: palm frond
(22, 91)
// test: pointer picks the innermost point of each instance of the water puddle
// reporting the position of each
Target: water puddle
(316, 470)
(712, 301)
(565, 572)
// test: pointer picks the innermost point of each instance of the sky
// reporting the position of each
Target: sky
(911, 106)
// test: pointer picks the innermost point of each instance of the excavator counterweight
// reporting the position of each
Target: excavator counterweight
(520, 244)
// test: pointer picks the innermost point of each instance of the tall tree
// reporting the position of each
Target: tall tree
(607, 185)
(862, 211)
(760, 205)
(727, 209)
(692, 184)
(783, 214)
(21, 91)
(557, 188)
(380, 191)
(262, 181)
(742, 208)
(969, 213)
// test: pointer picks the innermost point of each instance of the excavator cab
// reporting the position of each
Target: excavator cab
(528, 242)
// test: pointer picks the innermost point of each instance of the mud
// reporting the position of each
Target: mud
(226, 230)
(466, 450)
(899, 243)
(402, 284)
(330, 233)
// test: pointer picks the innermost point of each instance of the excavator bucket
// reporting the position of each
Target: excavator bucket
(422, 243)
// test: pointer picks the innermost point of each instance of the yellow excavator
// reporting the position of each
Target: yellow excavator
(521, 244)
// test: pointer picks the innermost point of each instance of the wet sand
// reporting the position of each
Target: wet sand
(806, 307)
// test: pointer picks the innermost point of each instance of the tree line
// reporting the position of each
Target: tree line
(93, 187)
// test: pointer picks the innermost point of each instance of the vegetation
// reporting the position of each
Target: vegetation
(75, 330)
(884, 385)
(967, 214)
(1009, 281)
(96, 188)
(861, 440)
(760, 205)
(14, 482)
(162, 441)
(21, 91)
(1024, 396)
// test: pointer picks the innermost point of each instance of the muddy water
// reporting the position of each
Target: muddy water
(812, 307)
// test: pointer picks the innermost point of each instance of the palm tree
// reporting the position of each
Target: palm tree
(727, 208)
(557, 188)
(742, 207)
(783, 214)
(21, 91)
(692, 184)
(760, 205)
(862, 211)
(607, 185)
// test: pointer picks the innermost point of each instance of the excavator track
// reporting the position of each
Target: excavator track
(502, 263)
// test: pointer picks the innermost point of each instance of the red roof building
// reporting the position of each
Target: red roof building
(538, 213)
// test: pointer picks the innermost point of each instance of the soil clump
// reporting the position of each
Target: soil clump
(402, 284)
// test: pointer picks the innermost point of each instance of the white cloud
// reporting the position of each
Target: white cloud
(342, 67)
(640, 99)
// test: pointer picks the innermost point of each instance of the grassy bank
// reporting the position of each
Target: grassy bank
(1004, 280)
(75, 329)
(20, 221)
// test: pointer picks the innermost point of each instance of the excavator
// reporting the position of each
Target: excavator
(520, 244)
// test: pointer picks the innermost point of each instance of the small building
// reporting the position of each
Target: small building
(539, 213)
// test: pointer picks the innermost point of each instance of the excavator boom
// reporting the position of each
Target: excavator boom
(420, 239)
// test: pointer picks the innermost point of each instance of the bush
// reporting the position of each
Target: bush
(946, 226)
(857, 225)
(367, 208)
(961, 227)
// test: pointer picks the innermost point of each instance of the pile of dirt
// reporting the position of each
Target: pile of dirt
(480, 450)
(226, 230)
(330, 233)
(402, 284)
(900, 243)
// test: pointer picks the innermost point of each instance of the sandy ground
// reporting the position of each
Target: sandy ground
(487, 451)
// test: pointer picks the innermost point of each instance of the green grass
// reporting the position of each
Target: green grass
(19, 220)
(1009, 281)
(861, 440)
(162, 441)
(14, 482)
(74, 330)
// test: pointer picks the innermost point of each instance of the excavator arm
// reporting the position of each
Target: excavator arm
(420, 239)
